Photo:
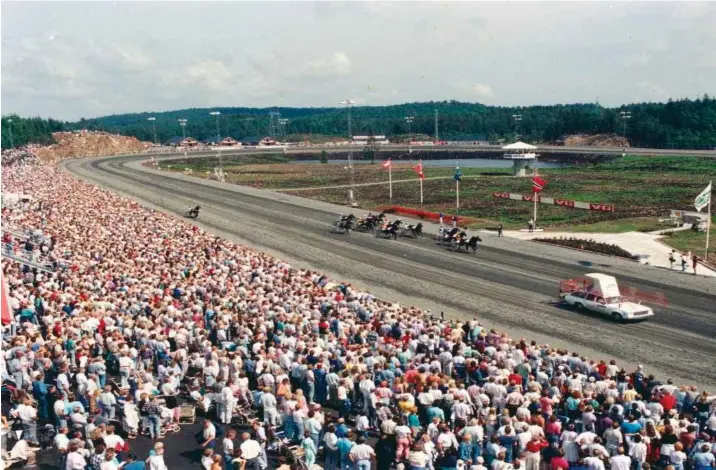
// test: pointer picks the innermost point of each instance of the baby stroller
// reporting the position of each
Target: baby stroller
(286, 453)
(243, 414)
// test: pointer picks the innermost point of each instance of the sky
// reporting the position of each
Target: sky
(69, 60)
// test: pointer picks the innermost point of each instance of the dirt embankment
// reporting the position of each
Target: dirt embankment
(596, 140)
(78, 144)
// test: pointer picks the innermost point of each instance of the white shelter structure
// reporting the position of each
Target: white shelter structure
(522, 156)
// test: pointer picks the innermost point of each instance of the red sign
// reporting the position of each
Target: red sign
(530, 198)
(564, 203)
(501, 195)
(601, 207)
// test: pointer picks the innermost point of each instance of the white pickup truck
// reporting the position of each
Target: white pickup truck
(600, 293)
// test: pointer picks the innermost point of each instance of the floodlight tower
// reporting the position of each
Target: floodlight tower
(518, 120)
(154, 127)
(625, 116)
(216, 114)
(9, 130)
(348, 104)
(182, 123)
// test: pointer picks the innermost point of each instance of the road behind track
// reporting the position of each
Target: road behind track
(508, 289)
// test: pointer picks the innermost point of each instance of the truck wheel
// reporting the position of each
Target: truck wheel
(616, 317)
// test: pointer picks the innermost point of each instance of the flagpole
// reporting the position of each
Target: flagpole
(457, 195)
(421, 192)
(708, 227)
(390, 182)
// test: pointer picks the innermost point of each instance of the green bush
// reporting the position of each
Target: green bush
(589, 245)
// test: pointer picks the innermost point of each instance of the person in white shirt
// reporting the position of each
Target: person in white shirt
(75, 460)
(250, 451)
(638, 451)
(362, 454)
(108, 402)
(126, 364)
(61, 440)
(156, 461)
(620, 461)
(593, 462)
(28, 416)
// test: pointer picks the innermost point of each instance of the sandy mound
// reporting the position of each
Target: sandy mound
(597, 140)
(78, 144)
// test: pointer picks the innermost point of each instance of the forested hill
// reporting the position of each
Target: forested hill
(676, 124)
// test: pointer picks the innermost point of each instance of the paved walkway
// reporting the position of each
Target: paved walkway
(647, 245)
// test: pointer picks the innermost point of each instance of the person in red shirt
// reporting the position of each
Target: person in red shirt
(515, 378)
(668, 401)
(559, 462)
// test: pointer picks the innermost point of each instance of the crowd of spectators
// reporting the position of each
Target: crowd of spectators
(19, 156)
(145, 309)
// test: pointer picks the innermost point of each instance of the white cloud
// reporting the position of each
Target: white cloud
(337, 64)
(69, 59)
(483, 90)
(210, 73)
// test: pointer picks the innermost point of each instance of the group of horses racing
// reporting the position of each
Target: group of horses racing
(378, 224)
(455, 238)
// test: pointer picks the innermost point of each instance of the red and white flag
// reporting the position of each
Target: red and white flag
(538, 184)
(419, 170)
(385, 164)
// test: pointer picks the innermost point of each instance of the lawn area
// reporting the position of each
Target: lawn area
(617, 226)
(641, 188)
(688, 240)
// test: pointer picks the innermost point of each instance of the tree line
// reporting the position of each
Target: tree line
(675, 124)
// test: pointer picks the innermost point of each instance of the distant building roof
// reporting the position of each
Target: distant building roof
(174, 141)
(519, 146)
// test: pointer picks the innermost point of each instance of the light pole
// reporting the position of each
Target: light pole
(217, 114)
(518, 119)
(625, 116)
(283, 123)
(182, 123)
(154, 128)
(409, 120)
(348, 104)
(9, 130)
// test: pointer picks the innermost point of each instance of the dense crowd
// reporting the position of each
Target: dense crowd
(146, 311)
(19, 156)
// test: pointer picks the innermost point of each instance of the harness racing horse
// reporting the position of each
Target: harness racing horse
(370, 222)
(446, 236)
(389, 229)
(413, 231)
(461, 242)
(344, 224)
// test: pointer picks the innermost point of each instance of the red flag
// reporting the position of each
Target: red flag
(385, 164)
(538, 184)
(419, 170)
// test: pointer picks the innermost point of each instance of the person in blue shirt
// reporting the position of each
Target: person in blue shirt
(131, 463)
(435, 411)
(632, 426)
(464, 450)
(40, 391)
(508, 442)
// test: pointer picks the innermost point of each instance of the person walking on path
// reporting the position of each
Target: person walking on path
(499, 229)
(695, 262)
(684, 263)
(672, 259)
